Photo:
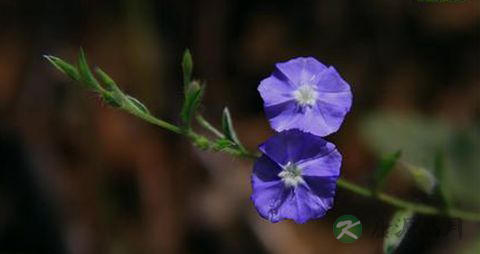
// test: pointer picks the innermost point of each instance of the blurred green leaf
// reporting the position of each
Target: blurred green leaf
(462, 167)
(110, 100)
(110, 85)
(187, 66)
(228, 129)
(193, 97)
(399, 226)
(385, 167)
(420, 138)
(423, 178)
(63, 66)
(85, 74)
(115, 97)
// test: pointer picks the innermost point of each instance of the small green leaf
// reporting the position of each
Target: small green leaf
(193, 97)
(399, 225)
(138, 104)
(85, 74)
(113, 92)
(115, 97)
(228, 129)
(384, 168)
(63, 66)
(187, 66)
(423, 178)
(202, 121)
(110, 100)
(110, 85)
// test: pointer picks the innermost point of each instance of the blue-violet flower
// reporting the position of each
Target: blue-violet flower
(296, 176)
(305, 94)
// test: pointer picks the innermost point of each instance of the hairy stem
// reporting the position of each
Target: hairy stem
(400, 203)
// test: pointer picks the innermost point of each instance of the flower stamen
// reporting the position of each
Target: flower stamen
(305, 95)
(291, 175)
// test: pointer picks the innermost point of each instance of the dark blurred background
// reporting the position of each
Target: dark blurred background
(79, 177)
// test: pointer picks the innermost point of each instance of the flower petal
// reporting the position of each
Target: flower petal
(333, 97)
(266, 169)
(308, 205)
(275, 89)
(301, 205)
(302, 70)
(329, 81)
(325, 165)
(294, 146)
(268, 197)
(310, 120)
(275, 202)
(323, 187)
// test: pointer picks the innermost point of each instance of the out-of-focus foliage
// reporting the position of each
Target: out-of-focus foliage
(421, 139)
(385, 167)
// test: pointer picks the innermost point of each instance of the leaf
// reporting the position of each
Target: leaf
(115, 95)
(384, 168)
(193, 97)
(138, 104)
(228, 129)
(187, 66)
(420, 138)
(423, 178)
(110, 100)
(85, 74)
(399, 226)
(113, 92)
(64, 67)
(110, 85)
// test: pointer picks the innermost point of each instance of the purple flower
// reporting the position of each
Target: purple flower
(296, 176)
(305, 94)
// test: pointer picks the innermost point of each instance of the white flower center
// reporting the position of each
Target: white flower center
(291, 175)
(305, 95)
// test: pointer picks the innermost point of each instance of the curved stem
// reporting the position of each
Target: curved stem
(153, 120)
(400, 203)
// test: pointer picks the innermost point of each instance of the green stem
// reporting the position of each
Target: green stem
(400, 203)
(153, 120)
